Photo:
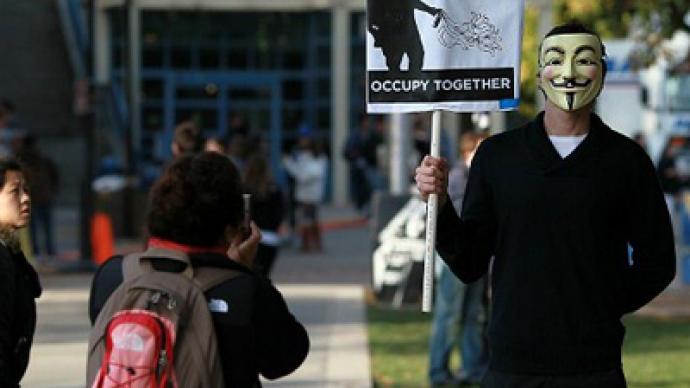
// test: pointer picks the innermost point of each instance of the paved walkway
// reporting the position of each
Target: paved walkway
(326, 292)
(334, 316)
(672, 303)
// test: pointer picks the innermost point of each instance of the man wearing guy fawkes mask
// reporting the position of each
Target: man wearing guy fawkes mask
(557, 203)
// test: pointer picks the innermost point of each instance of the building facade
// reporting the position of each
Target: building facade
(280, 65)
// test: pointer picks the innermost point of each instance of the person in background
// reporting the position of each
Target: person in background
(266, 210)
(671, 179)
(640, 139)
(42, 176)
(460, 310)
(214, 144)
(361, 152)
(7, 105)
(238, 124)
(19, 284)
(308, 168)
(238, 150)
(421, 137)
(289, 150)
(8, 128)
(187, 139)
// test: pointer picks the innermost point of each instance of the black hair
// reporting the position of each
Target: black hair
(195, 199)
(575, 27)
(188, 137)
(257, 176)
(5, 166)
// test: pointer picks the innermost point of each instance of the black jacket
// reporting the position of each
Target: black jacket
(560, 231)
(258, 335)
(19, 286)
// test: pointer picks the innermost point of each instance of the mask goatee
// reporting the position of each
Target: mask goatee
(571, 98)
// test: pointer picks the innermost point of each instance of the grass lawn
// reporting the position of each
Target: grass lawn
(656, 353)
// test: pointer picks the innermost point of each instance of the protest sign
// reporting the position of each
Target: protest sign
(456, 55)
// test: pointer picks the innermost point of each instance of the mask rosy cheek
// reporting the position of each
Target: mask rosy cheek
(590, 72)
(548, 72)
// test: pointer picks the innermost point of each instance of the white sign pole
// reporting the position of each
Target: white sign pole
(431, 215)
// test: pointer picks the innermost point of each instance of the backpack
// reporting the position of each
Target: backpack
(156, 329)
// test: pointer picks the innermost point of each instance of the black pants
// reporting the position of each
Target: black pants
(42, 221)
(610, 379)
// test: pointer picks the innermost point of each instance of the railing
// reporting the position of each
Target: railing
(111, 117)
(74, 27)
(110, 104)
(78, 17)
(119, 109)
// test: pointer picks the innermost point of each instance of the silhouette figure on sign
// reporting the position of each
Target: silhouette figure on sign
(393, 26)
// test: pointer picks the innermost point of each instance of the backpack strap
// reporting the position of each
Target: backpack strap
(137, 264)
(208, 277)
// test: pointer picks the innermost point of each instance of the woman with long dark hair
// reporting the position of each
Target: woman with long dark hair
(19, 285)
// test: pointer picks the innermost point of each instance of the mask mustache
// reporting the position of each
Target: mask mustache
(571, 83)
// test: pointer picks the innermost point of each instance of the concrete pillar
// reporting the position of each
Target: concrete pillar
(340, 89)
(101, 45)
(451, 125)
(401, 146)
(498, 121)
(134, 73)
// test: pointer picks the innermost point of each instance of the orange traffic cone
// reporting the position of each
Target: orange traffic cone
(102, 242)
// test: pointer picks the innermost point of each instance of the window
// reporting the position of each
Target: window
(152, 89)
(293, 90)
(152, 119)
(181, 57)
(209, 58)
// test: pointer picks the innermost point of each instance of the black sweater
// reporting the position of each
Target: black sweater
(257, 336)
(559, 229)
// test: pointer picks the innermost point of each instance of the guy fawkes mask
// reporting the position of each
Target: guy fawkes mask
(571, 69)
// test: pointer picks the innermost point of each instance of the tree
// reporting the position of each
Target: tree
(647, 21)
(528, 66)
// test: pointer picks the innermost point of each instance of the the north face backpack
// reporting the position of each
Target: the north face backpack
(156, 330)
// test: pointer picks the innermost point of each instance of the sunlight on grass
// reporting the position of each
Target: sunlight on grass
(656, 352)
(399, 342)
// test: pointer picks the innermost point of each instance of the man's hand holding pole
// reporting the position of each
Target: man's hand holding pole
(432, 178)
(438, 183)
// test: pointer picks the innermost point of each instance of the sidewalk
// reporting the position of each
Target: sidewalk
(326, 291)
(672, 303)
(334, 316)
